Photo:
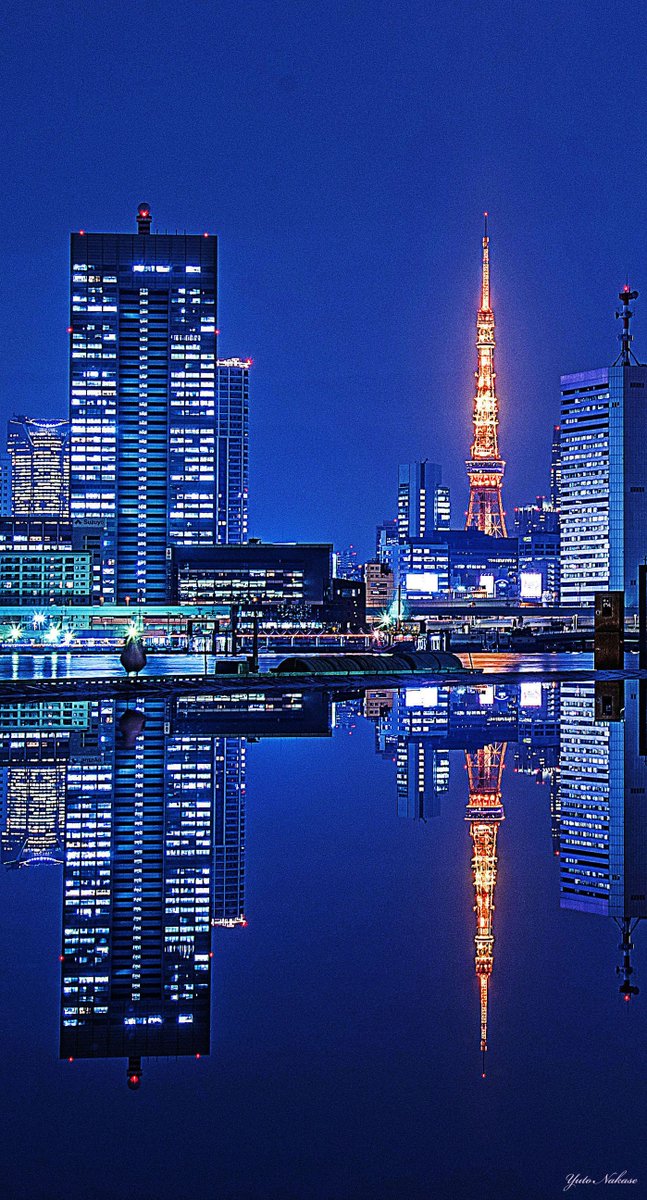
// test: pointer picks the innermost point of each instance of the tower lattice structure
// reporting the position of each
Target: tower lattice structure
(484, 813)
(485, 467)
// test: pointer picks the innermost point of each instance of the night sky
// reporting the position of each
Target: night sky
(344, 154)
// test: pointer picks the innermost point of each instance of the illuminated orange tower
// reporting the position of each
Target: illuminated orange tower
(484, 813)
(485, 468)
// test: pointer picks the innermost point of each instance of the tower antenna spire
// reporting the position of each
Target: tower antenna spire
(485, 273)
(485, 467)
(625, 338)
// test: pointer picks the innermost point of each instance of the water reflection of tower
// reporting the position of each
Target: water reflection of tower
(484, 813)
(138, 881)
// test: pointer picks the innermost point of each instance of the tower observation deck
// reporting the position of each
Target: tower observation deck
(485, 467)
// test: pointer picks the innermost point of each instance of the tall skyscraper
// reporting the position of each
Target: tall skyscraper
(603, 494)
(423, 501)
(40, 467)
(143, 396)
(232, 451)
(485, 467)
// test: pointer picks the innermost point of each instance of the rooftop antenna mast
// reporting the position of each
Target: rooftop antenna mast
(626, 355)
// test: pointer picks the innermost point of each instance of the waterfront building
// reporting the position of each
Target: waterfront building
(143, 399)
(270, 575)
(485, 466)
(380, 586)
(50, 561)
(280, 580)
(39, 451)
(603, 493)
(423, 501)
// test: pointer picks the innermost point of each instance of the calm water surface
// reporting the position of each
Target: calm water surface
(251, 926)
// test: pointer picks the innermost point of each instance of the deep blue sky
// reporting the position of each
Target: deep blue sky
(344, 154)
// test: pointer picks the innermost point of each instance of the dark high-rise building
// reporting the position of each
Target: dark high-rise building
(143, 397)
(423, 500)
(232, 452)
(386, 544)
(556, 466)
(40, 468)
(229, 832)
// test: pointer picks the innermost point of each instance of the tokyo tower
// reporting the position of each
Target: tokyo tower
(485, 468)
(484, 813)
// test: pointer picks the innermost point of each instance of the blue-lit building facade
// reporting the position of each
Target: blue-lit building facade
(423, 500)
(143, 398)
(232, 450)
(136, 955)
(39, 451)
(602, 788)
(603, 485)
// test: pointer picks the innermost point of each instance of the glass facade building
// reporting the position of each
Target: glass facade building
(603, 497)
(39, 451)
(143, 398)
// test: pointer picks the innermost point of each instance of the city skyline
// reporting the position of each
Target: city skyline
(237, 527)
(309, 276)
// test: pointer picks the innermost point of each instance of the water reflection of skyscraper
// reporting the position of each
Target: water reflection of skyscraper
(603, 788)
(154, 854)
(138, 875)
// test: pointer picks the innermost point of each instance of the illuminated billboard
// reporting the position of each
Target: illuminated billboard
(487, 583)
(532, 585)
(422, 697)
(425, 582)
